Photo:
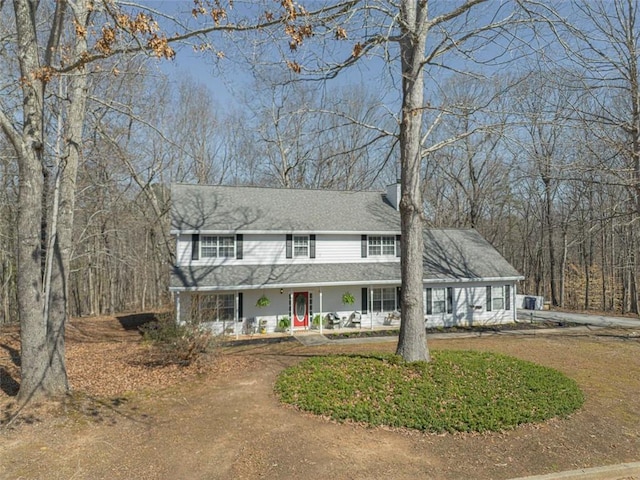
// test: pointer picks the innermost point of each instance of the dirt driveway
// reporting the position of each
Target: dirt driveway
(217, 422)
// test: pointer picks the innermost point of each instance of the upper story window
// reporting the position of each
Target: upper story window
(379, 245)
(300, 246)
(303, 246)
(217, 246)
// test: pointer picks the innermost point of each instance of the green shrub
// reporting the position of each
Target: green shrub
(284, 323)
(458, 391)
(176, 343)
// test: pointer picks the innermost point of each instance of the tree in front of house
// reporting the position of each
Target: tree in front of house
(419, 41)
(51, 53)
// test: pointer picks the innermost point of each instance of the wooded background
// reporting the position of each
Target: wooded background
(542, 157)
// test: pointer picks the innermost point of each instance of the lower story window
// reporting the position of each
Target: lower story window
(213, 307)
(384, 299)
(495, 298)
(438, 300)
(499, 297)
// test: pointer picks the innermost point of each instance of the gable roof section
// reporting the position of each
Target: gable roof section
(463, 254)
(449, 256)
(214, 208)
(246, 277)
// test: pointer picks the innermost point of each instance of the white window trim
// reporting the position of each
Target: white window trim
(497, 293)
(217, 246)
(306, 246)
(209, 300)
(437, 301)
(390, 242)
(447, 300)
(381, 291)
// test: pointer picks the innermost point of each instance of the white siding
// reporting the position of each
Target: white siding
(263, 250)
(470, 306)
(183, 250)
(269, 249)
(338, 249)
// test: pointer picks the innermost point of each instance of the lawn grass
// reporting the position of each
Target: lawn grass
(458, 391)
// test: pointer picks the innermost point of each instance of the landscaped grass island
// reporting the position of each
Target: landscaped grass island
(458, 391)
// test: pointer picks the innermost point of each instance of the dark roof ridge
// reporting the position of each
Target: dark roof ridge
(268, 187)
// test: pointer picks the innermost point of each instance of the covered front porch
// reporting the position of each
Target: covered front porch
(280, 310)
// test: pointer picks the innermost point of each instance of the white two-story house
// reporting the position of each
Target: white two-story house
(249, 253)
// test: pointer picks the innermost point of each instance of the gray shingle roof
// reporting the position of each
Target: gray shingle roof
(449, 256)
(279, 276)
(453, 254)
(243, 209)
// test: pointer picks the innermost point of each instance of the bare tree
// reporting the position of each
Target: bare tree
(601, 43)
(8, 202)
(317, 140)
(470, 178)
(424, 38)
(77, 35)
(545, 129)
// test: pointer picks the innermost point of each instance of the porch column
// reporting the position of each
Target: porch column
(293, 313)
(371, 305)
(514, 307)
(177, 301)
(235, 314)
(321, 315)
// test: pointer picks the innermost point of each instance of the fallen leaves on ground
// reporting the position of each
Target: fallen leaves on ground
(106, 360)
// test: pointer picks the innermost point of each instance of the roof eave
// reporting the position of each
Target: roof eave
(280, 232)
(474, 279)
(396, 281)
(210, 288)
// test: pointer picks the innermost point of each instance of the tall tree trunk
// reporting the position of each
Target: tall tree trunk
(412, 342)
(634, 294)
(549, 231)
(603, 262)
(563, 266)
(588, 258)
(29, 149)
(539, 277)
(62, 247)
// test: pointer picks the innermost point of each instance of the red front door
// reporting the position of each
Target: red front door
(301, 309)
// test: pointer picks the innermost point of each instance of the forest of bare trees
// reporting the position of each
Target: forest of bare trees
(537, 146)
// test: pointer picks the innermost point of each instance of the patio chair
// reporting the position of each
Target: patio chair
(355, 319)
(250, 326)
(332, 320)
(391, 317)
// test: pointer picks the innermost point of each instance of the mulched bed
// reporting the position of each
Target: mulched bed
(535, 325)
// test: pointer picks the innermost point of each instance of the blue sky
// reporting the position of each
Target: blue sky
(224, 76)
